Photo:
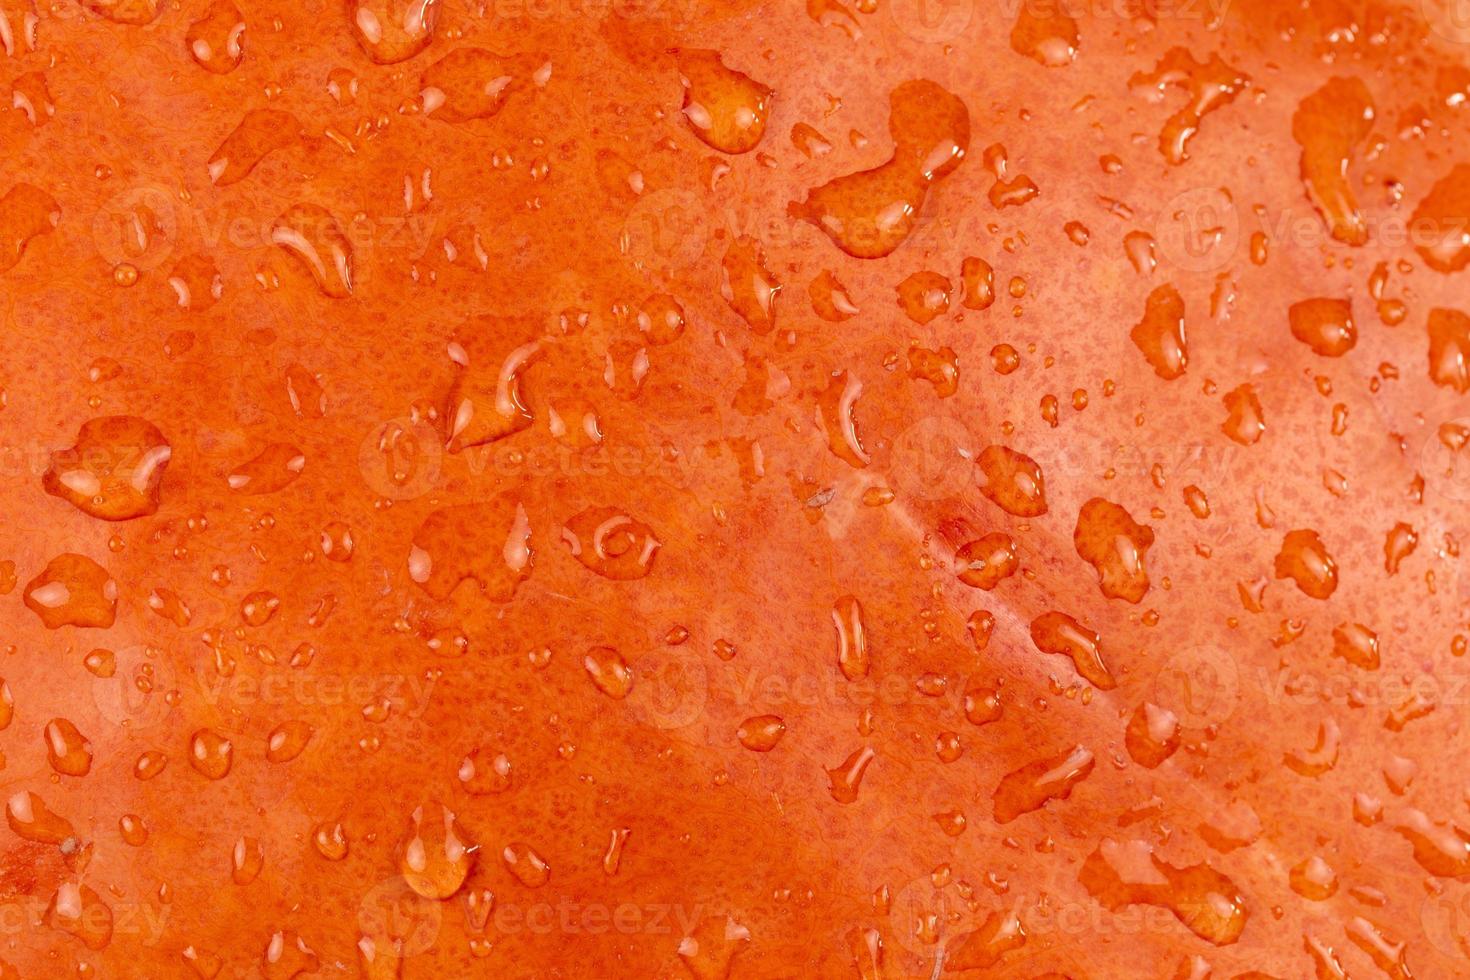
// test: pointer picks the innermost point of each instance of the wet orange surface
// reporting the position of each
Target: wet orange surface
(870, 488)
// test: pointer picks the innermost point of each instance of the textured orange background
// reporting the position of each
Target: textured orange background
(990, 806)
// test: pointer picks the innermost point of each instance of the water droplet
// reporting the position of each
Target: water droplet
(847, 778)
(852, 641)
(761, 733)
(1246, 421)
(481, 773)
(1012, 481)
(985, 562)
(1209, 85)
(836, 404)
(1325, 325)
(1045, 34)
(30, 819)
(1058, 633)
(870, 213)
(725, 108)
(434, 857)
(1313, 879)
(611, 543)
(1329, 125)
(78, 910)
(1304, 559)
(73, 590)
(390, 31)
(217, 39)
(748, 286)
(313, 237)
(1153, 735)
(472, 83)
(211, 754)
(1441, 234)
(1115, 545)
(1160, 334)
(247, 859)
(288, 740)
(1037, 783)
(525, 865)
(67, 749)
(1449, 348)
(114, 470)
(487, 543)
(1203, 899)
(609, 672)
(25, 213)
(260, 133)
(273, 469)
(924, 296)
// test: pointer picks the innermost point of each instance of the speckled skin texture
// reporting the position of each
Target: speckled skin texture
(395, 241)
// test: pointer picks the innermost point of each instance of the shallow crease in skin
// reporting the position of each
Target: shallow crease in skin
(845, 489)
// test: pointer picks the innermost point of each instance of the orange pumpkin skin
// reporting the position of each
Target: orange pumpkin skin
(737, 491)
